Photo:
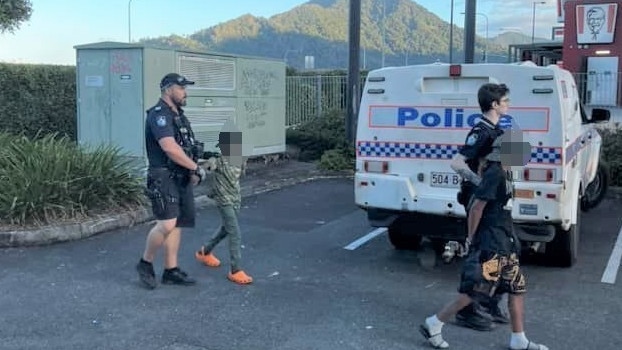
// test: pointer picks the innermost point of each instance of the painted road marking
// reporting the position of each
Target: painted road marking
(368, 237)
(609, 276)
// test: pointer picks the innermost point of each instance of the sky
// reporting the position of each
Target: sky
(56, 26)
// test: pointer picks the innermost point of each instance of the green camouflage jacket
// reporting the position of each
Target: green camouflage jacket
(224, 182)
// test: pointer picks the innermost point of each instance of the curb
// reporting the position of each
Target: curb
(80, 230)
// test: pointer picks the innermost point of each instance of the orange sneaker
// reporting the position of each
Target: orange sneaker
(207, 259)
(240, 277)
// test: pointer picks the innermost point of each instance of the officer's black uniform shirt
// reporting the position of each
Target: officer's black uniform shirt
(160, 123)
(479, 142)
(494, 232)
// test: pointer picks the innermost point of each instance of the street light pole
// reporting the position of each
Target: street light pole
(486, 43)
(451, 33)
(533, 20)
(129, 21)
(354, 81)
(384, 31)
(470, 8)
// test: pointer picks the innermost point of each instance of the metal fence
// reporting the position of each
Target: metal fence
(600, 89)
(308, 97)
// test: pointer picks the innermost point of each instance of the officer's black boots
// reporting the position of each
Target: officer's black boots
(473, 317)
(146, 274)
(169, 276)
(176, 276)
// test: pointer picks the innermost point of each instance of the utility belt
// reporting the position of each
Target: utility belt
(177, 174)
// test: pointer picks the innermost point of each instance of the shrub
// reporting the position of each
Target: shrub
(323, 139)
(44, 179)
(611, 153)
(38, 98)
(318, 135)
(338, 159)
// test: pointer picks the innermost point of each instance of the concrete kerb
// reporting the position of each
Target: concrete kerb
(75, 231)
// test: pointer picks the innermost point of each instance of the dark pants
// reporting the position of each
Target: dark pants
(171, 197)
(490, 302)
(229, 227)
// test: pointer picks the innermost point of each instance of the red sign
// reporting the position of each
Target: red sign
(557, 34)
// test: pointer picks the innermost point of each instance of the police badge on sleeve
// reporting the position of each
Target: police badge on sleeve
(161, 121)
(471, 139)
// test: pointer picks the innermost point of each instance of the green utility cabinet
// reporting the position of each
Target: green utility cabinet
(118, 82)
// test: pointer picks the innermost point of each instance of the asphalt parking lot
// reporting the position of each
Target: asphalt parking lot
(310, 292)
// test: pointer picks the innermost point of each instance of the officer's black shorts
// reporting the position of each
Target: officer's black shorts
(170, 199)
(487, 273)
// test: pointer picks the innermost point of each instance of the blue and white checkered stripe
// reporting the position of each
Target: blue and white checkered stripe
(540, 155)
(407, 150)
(546, 155)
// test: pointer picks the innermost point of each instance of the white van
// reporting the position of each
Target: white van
(414, 119)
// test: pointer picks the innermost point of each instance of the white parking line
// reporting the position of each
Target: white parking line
(368, 237)
(609, 276)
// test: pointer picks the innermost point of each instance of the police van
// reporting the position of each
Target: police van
(414, 119)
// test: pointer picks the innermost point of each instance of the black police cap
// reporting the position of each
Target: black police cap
(174, 78)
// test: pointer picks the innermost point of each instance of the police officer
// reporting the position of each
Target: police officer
(173, 156)
(493, 102)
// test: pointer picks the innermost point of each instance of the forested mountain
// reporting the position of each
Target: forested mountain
(319, 28)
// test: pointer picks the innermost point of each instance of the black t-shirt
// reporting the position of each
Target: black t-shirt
(479, 142)
(158, 124)
(494, 232)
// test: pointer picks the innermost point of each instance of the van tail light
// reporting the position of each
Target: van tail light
(455, 70)
(540, 175)
(376, 166)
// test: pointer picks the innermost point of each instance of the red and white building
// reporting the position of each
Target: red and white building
(589, 33)
(588, 42)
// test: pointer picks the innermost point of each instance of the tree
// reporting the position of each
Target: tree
(13, 13)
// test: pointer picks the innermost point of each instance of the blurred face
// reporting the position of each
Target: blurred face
(502, 106)
(230, 143)
(178, 94)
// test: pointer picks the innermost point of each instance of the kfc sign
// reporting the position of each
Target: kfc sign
(596, 23)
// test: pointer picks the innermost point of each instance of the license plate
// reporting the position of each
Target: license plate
(450, 180)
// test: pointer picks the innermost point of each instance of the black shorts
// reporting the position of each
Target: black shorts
(170, 199)
(487, 274)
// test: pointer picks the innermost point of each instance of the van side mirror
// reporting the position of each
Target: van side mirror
(600, 115)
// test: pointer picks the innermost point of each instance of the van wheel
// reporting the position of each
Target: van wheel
(563, 250)
(401, 235)
(597, 189)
